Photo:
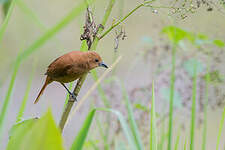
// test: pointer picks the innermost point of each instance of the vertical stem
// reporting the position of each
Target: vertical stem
(153, 141)
(70, 103)
(220, 129)
(82, 79)
(193, 112)
(6, 20)
(205, 110)
(172, 83)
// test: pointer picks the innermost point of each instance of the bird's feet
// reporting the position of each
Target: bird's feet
(73, 97)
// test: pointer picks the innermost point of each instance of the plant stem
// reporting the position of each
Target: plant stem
(8, 95)
(172, 82)
(93, 47)
(205, 110)
(6, 20)
(193, 112)
(124, 18)
(70, 103)
(82, 79)
(220, 129)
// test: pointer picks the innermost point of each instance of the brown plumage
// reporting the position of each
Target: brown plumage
(70, 67)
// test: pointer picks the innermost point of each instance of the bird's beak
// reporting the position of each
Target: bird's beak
(101, 64)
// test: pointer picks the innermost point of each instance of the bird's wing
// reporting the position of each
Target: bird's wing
(65, 65)
(60, 67)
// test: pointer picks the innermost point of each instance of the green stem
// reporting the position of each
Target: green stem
(172, 83)
(82, 79)
(8, 95)
(124, 18)
(220, 129)
(6, 20)
(205, 110)
(193, 112)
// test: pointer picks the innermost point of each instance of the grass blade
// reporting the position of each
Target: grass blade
(124, 125)
(6, 20)
(185, 143)
(193, 111)
(153, 139)
(177, 142)
(8, 95)
(172, 82)
(107, 104)
(52, 31)
(205, 110)
(80, 138)
(133, 125)
(27, 11)
(102, 134)
(220, 129)
(163, 136)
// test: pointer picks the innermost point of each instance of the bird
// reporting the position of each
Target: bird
(70, 67)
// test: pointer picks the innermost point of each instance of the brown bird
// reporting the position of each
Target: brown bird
(70, 67)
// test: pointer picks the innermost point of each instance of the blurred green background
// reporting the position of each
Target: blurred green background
(146, 55)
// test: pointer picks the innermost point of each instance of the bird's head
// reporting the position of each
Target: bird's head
(95, 60)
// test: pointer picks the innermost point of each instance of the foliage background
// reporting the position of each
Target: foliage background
(146, 51)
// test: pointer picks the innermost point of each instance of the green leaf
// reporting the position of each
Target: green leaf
(36, 134)
(22, 126)
(80, 138)
(219, 43)
(175, 34)
(141, 107)
(4, 1)
(189, 66)
(214, 77)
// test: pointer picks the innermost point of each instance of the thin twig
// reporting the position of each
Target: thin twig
(125, 17)
(82, 79)
(93, 47)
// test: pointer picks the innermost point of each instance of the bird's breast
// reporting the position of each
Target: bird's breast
(69, 78)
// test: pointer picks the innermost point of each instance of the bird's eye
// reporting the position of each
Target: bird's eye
(96, 60)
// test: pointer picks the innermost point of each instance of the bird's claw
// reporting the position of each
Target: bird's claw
(73, 97)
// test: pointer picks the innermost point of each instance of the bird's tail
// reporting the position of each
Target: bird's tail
(47, 81)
